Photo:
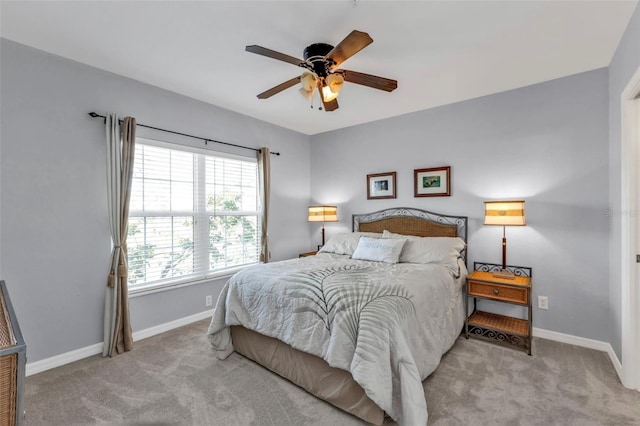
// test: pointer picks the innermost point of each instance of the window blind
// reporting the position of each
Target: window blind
(192, 214)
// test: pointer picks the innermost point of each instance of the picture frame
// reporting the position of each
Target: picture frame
(433, 182)
(381, 185)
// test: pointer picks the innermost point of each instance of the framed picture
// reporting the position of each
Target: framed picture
(381, 185)
(435, 182)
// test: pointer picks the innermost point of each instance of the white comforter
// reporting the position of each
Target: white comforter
(388, 325)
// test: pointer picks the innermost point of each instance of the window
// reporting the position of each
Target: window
(192, 214)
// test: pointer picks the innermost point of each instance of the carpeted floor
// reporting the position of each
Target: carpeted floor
(175, 379)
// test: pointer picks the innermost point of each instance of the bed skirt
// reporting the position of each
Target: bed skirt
(311, 373)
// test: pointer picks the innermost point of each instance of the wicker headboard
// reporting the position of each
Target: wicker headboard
(410, 221)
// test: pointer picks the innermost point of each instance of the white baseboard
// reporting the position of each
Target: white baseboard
(152, 331)
(78, 354)
(62, 359)
(582, 342)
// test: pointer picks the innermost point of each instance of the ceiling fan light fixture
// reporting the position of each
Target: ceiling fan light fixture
(308, 94)
(335, 82)
(309, 83)
(328, 94)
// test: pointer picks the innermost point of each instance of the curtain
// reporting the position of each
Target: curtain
(264, 171)
(120, 154)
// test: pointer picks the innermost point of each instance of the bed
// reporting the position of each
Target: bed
(358, 332)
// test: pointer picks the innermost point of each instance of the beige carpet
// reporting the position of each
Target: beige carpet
(175, 379)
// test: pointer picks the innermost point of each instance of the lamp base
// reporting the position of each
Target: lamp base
(504, 274)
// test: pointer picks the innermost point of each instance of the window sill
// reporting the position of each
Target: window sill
(144, 290)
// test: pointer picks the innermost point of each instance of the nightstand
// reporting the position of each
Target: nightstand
(309, 253)
(481, 284)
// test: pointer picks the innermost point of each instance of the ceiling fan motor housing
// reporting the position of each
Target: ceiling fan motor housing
(315, 53)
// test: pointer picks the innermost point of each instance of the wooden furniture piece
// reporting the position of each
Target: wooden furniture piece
(312, 373)
(481, 284)
(13, 358)
(309, 253)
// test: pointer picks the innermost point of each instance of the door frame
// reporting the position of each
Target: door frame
(630, 230)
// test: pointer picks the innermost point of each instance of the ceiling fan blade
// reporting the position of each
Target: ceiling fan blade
(273, 54)
(279, 88)
(352, 44)
(369, 80)
(330, 106)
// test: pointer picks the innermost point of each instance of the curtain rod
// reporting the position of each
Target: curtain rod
(206, 140)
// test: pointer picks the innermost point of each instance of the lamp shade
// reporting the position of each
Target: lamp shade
(335, 82)
(309, 82)
(323, 214)
(504, 213)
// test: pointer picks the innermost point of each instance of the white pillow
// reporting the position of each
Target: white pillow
(441, 250)
(345, 243)
(379, 250)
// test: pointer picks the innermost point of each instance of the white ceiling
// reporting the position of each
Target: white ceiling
(439, 51)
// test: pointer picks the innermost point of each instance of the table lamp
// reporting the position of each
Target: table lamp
(323, 214)
(504, 213)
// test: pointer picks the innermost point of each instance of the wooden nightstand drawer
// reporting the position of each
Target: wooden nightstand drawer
(498, 292)
(504, 329)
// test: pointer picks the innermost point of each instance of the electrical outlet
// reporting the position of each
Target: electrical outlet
(543, 302)
(208, 301)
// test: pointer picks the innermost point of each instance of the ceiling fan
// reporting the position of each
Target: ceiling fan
(321, 61)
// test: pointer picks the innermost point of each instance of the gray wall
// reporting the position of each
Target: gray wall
(55, 231)
(546, 144)
(624, 64)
